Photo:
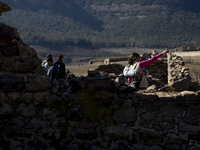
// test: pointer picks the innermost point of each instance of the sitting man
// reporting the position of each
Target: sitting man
(52, 71)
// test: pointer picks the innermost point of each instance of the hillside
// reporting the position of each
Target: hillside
(106, 23)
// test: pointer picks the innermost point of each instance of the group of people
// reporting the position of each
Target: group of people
(54, 70)
(135, 73)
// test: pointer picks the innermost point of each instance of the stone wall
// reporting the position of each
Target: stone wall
(92, 112)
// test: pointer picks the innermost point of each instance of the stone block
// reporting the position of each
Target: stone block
(29, 111)
(38, 84)
(14, 96)
(11, 83)
(126, 115)
(7, 33)
(10, 49)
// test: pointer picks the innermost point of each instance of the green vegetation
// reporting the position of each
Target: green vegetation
(107, 23)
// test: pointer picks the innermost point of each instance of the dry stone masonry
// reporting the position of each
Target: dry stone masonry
(95, 112)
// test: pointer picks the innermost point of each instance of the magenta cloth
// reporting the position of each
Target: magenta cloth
(149, 61)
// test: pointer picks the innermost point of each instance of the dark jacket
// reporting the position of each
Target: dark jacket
(52, 72)
(61, 69)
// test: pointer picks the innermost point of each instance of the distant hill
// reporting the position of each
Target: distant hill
(106, 23)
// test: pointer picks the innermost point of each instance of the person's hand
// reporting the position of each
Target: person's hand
(165, 51)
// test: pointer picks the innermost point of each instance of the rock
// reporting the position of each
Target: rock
(99, 84)
(153, 148)
(14, 96)
(150, 115)
(29, 111)
(190, 97)
(7, 33)
(87, 125)
(188, 128)
(10, 49)
(18, 122)
(36, 124)
(75, 86)
(3, 97)
(27, 96)
(114, 132)
(38, 84)
(11, 83)
(128, 103)
(67, 84)
(85, 134)
(126, 115)
(39, 96)
(92, 73)
(95, 147)
(152, 88)
(179, 85)
(5, 109)
(4, 8)
(50, 148)
(68, 97)
(47, 111)
(165, 97)
(20, 107)
(22, 64)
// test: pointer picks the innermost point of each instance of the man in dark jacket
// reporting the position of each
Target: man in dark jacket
(61, 67)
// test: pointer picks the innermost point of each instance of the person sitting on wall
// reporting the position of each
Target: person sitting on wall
(52, 71)
(44, 63)
(61, 67)
(135, 64)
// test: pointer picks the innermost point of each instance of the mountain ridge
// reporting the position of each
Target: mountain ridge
(107, 23)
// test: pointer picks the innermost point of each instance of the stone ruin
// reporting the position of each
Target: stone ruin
(87, 113)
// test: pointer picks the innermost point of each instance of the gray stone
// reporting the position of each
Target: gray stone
(152, 88)
(39, 84)
(87, 125)
(126, 115)
(165, 97)
(99, 84)
(36, 124)
(39, 96)
(128, 103)
(11, 83)
(95, 147)
(3, 97)
(7, 33)
(10, 49)
(68, 97)
(29, 111)
(92, 73)
(18, 122)
(47, 111)
(113, 132)
(14, 96)
(188, 128)
(85, 134)
(190, 97)
(6, 109)
(50, 148)
(20, 107)
(150, 115)
(153, 148)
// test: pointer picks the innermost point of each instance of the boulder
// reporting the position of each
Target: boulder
(10, 49)
(36, 124)
(11, 83)
(99, 84)
(39, 84)
(7, 33)
(4, 8)
(29, 111)
(126, 115)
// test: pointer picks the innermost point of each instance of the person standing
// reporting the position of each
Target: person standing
(61, 67)
(44, 63)
(52, 71)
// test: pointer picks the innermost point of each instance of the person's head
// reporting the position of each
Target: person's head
(60, 57)
(48, 56)
(49, 61)
(134, 57)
